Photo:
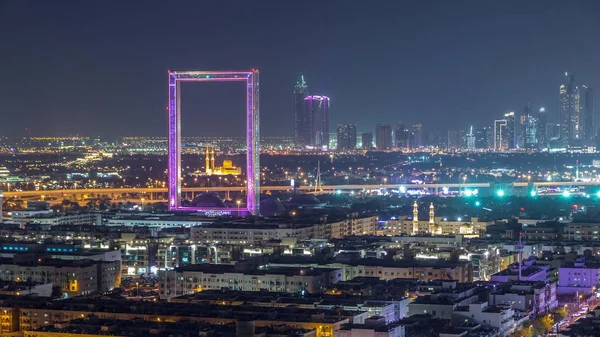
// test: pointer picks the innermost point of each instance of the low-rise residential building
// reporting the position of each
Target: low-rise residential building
(74, 278)
(443, 302)
(194, 278)
(579, 277)
(534, 297)
(500, 317)
(576, 231)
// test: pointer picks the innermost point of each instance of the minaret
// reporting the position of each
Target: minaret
(207, 160)
(431, 214)
(1, 196)
(212, 158)
(415, 218)
(431, 219)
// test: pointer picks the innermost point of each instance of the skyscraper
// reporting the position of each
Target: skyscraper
(317, 112)
(453, 142)
(528, 128)
(416, 139)
(508, 136)
(402, 136)
(589, 109)
(499, 134)
(367, 140)
(523, 122)
(470, 139)
(572, 127)
(346, 137)
(302, 120)
(541, 129)
(383, 137)
(482, 137)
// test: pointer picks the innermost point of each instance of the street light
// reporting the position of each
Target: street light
(238, 207)
(500, 193)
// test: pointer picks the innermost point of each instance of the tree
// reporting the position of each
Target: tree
(546, 322)
(561, 313)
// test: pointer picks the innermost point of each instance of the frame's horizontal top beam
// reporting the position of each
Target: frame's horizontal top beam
(197, 75)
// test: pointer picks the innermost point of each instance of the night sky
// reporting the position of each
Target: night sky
(99, 68)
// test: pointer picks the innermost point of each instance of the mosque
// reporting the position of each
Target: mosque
(226, 169)
(434, 225)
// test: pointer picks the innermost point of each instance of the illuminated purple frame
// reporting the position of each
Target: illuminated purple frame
(252, 135)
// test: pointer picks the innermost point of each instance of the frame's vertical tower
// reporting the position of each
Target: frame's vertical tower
(252, 134)
(253, 143)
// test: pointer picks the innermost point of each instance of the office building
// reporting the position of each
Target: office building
(470, 139)
(301, 119)
(483, 137)
(499, 134)
(402, 136)
(508, 137)
(367, 140)
(589, 108)
(383, 137)
(317, 113)
(346, 137)
(527, 126)
(570, 111)
(453, 142)
(416, 138)
(542, 129)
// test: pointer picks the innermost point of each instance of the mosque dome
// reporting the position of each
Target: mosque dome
(207, 200)
(305, 199)
(227, 163)
(270, 206)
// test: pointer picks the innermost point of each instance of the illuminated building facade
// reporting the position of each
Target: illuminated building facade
(346, 137)
(499, 134)
(252, 133)
(367, 140)
(571, 121)
(317, 112)
(402, 136)
(383, 137)
(301, 119)
(508, 138)
(541, 129)
(589, 108)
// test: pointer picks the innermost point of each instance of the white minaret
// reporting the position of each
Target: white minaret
(431, 214)
(1, 196)
(415, 221)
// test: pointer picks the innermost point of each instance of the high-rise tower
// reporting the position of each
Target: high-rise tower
(346, 137)
(383, 137)
(302, 121)
(541, 129)
(509, 137)
(317, 110)
(589, 109)
(499, 134)
(572, 124)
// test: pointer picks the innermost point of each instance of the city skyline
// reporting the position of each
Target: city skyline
(73, 84)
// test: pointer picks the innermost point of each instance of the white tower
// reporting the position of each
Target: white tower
(415, 221)
(1, 196)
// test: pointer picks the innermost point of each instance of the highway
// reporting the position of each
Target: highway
(324, 188)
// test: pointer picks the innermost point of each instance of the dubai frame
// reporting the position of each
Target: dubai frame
(252, 135)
